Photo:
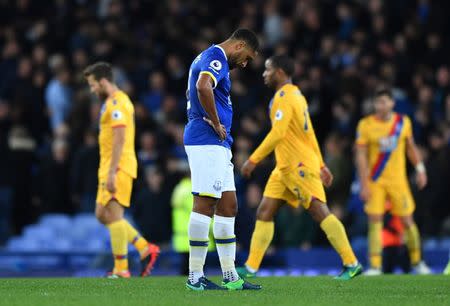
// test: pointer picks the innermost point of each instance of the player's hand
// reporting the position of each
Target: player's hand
(364, 193)
(247, 168)
(421, 180)
(326, 176)
(219, 128)
(111, 182)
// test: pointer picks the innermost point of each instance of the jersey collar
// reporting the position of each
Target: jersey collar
(283, 87)
(114, 95)
(223, 51)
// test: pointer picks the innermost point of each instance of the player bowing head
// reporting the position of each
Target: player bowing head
(243, 48)
(117, 170)
(100, 79)
(208, 142)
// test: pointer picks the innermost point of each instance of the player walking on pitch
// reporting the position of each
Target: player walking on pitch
(381, 142)
(299, 173)
(208, 142)
(118, 168)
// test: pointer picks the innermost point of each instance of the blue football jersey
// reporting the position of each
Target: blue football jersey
(212, 61)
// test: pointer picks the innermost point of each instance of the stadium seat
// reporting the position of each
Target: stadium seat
(19, 244)
(89, 245)
(39, 233)
(85, 218)
(359, 243)
(445, 243)
(61, 224)
(85, 226)
(57, 245)
(431, 244)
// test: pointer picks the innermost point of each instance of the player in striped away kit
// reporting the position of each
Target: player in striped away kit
(381, 143)
(208, 142)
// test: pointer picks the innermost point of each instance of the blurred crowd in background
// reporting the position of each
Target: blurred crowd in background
(343, 50)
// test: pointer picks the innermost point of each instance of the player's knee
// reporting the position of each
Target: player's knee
(226, 210)
(319, 216)
(407, 221)
(318, 211)
(207, 210)
(375, 218)
(101, 215)
(102, 218)
(264, 214)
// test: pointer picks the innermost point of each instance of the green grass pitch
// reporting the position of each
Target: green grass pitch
(383, 290)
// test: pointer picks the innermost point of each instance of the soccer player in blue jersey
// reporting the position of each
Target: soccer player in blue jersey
(207, 140)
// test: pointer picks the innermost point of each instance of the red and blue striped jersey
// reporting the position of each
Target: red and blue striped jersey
(386, 142)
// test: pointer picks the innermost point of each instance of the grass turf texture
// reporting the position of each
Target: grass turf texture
(383, 290)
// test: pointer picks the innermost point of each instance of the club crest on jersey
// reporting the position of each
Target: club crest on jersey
(217, 186)
(278, 115)
(116, 115)
(282, 93)
(215, 65)
(388, 144)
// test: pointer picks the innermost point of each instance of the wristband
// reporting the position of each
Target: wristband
(420, 167)
(252, 161)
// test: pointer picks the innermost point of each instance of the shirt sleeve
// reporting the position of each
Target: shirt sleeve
(118, 114)
(408, 127)
(362, 137)
(214, 65)
(280, 117)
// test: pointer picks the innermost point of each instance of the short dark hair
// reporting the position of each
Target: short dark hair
(248, 36)
(383, 91)
(99, 70)
(284, 63)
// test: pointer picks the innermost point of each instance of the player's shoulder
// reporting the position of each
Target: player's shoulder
(365, 121)
(404, 117)
(119, 100)
(370, 119)
(215, 50)
(213, 53)
(213, 60)
(289, 92)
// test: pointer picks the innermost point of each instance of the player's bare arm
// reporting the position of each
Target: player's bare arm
(326, 176)
(363, 170)
(269, 143)
(414, 157)
(247, 168)
(118, 142)
(206, 96)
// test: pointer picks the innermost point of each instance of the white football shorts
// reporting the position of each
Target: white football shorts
(211, 170)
